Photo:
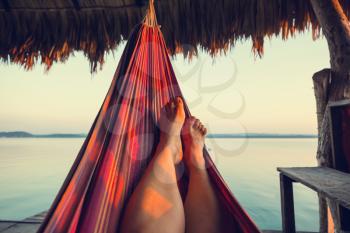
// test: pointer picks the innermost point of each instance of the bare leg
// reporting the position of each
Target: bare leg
(156, 204)
(202, 209)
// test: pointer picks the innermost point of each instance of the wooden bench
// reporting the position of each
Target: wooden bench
(331, 183)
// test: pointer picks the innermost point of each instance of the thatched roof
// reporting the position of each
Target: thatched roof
(48, 31)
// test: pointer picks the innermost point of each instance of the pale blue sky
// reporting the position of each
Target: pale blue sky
(276, 90)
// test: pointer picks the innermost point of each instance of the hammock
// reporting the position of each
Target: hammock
(121, 143)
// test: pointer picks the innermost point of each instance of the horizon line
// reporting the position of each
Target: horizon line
(24, 134)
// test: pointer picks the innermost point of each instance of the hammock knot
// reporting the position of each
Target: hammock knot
(151, 17)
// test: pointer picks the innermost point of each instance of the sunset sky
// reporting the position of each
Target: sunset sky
(273, 94)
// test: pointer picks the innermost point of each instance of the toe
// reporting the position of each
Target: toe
(196, 123)
(200, 126)
(191, 121)
(178, 101)
(179, 107)
(164, 109)
(205, 131)
(172, 106)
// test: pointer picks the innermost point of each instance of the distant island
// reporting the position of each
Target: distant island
(23, 134)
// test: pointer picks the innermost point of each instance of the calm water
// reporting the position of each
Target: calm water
(32, 170)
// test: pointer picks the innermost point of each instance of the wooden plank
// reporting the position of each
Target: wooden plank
(331, 183)
(22, 228)
(287, 204)
(5, 225)
(28, 225)
(36, 218)
(339, 103)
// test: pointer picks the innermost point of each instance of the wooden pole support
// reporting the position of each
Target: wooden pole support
(287, 204)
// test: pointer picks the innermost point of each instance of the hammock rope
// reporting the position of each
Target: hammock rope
(122, 141)
(151, 17)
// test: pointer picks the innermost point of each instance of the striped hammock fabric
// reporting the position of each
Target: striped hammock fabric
(121, 143)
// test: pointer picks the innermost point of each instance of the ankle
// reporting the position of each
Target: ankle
(195, 172)
(172, 148)
(195, 160)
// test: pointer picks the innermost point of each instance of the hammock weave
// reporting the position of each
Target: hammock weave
(122, 141)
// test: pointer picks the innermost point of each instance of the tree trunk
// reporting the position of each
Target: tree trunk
(331, 85)
(321, 81)
(336, 28)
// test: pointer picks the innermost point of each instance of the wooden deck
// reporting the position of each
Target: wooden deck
(331, 183)
(31, 225)
(28, 225)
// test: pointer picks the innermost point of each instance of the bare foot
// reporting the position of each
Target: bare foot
(170, 123)
(193, 134)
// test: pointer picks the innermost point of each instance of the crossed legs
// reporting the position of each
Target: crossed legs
(156, 204)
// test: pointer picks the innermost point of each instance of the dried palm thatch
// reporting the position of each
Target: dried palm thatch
(49, 31)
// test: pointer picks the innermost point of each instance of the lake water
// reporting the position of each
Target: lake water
(32, 171)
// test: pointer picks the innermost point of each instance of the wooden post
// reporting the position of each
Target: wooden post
(287, 204)
(322, 80)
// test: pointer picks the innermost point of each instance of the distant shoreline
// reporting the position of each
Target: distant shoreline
(23, 134)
